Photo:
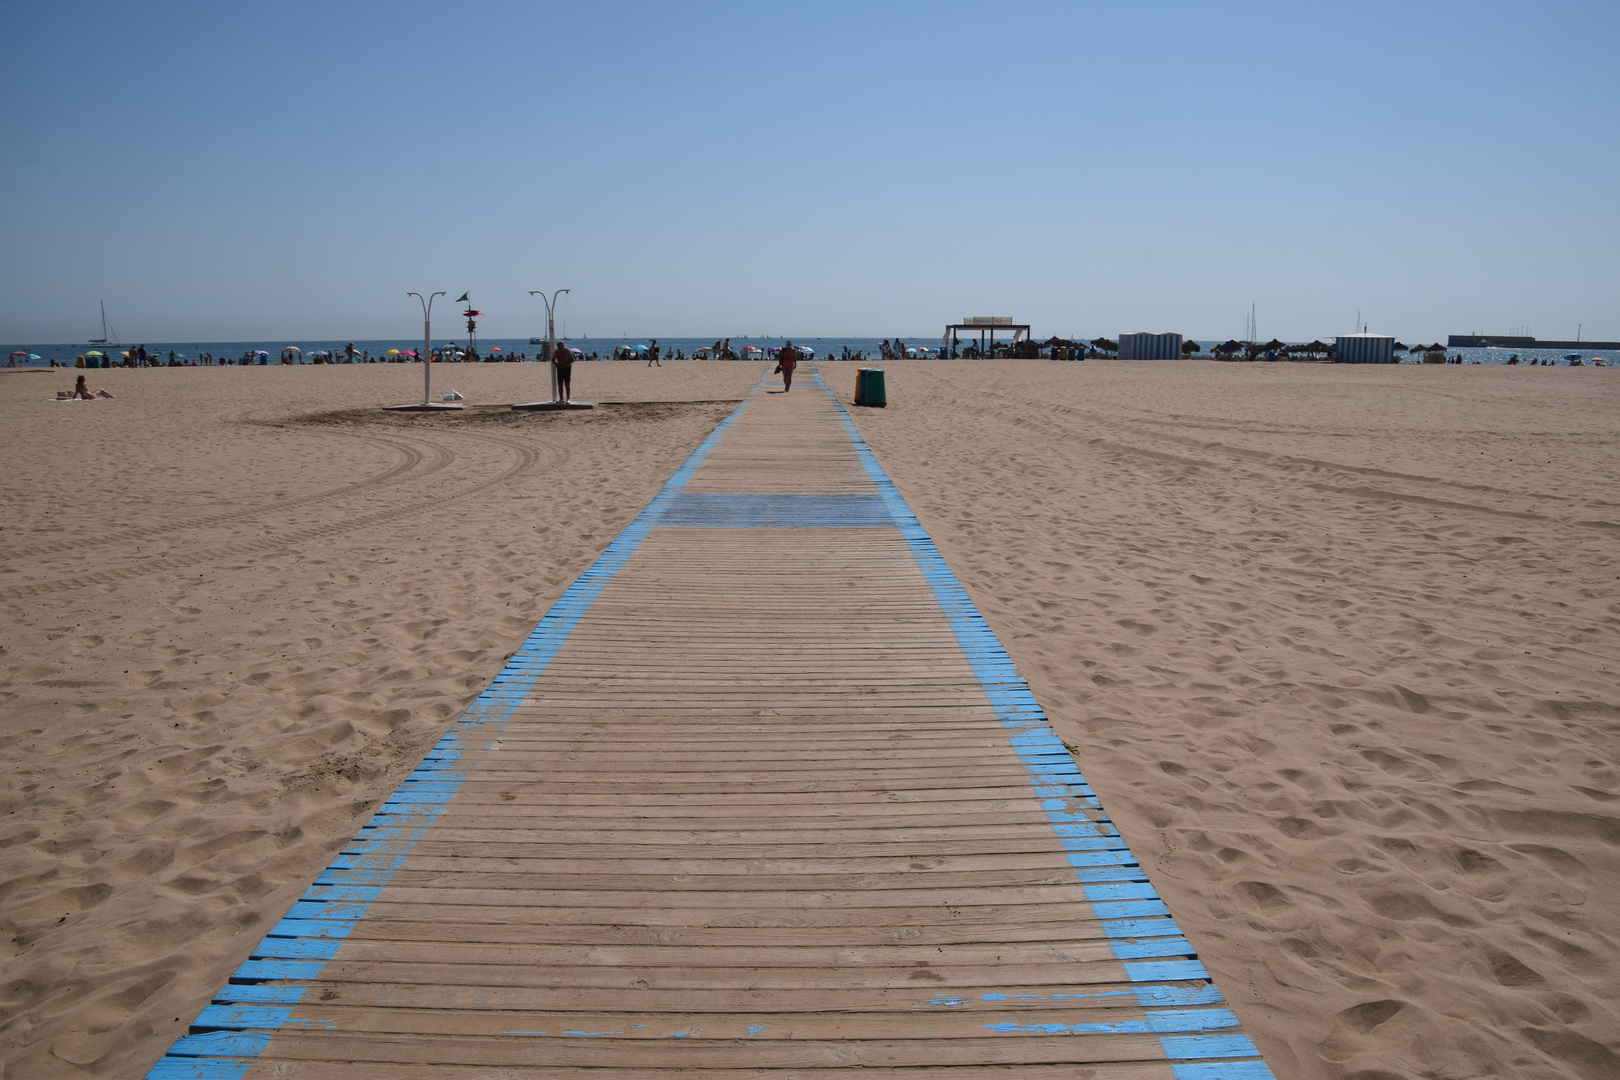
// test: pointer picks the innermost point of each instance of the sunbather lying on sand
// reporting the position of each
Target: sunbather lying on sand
(83, 391)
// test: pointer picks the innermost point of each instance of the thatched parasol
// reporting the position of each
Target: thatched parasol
(1189, 347)
(1106, 345)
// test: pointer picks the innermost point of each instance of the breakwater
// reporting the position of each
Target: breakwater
(1490, 341)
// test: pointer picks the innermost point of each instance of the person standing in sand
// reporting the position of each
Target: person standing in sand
(786, 362)
(564, 361)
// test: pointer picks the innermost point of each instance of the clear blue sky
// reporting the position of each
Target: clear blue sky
(232, 171)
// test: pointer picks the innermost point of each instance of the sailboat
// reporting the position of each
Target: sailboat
(106, 339)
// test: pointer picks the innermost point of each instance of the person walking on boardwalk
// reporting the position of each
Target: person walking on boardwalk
(652, 353)
(786, 362)
(564, 361)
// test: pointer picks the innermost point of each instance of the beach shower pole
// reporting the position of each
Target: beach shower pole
(427, 343)
(551, 333)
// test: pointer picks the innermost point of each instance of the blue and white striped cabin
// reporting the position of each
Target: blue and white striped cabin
(1150, 346)
(1365, 349)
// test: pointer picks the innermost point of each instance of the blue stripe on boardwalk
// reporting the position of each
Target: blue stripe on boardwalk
(1060, 785)
(225, 1041)
(1251, 1069)
(778, 511)
(1158, 1021)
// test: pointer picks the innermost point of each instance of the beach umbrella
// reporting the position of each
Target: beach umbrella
(1272, 345)
(33, 356)
(494, 348)
(1190, 347)
(391, 352)
(19, 352)
(643, 348)
(1104, 343)
(95, 352)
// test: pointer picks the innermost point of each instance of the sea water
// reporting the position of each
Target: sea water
(603, 348)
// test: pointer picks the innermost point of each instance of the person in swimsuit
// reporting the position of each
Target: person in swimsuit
(565, 371)
(787, 361)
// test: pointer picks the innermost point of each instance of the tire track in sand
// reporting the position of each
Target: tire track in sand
(410, 453)
(1262, 463)
(527, 456)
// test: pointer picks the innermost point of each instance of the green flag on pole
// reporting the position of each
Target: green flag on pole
(462, 298)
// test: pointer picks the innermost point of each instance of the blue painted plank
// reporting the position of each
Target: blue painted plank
(1120, 890)
(235, 1017)
(1137, 928)
(1208, 1046)
(1221, 1070)
(284, 948)
(1130, 909)
(220, 1044)
(260, 994)
(193, 1068)
(1166, 971)
(278, 970)
(1157, 1021)
(1126, 949)
(775, 511)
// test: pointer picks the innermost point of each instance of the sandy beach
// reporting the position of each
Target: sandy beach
(1336, 646)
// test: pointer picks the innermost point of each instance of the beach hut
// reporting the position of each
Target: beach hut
(1365, 349)
(1150, 346)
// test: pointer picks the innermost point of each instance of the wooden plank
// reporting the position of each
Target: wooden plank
(906, 956)
(866, 873)
(509, 809)
(958, 932)
(930, 916)
(357, 1070)
(938, 1023)
(1009, 795)
(988, 1003)
(296, 1044)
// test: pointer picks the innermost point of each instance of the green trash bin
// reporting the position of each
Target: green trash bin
(869, 388)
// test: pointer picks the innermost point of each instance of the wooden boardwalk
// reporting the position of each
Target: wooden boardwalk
(762, 796)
